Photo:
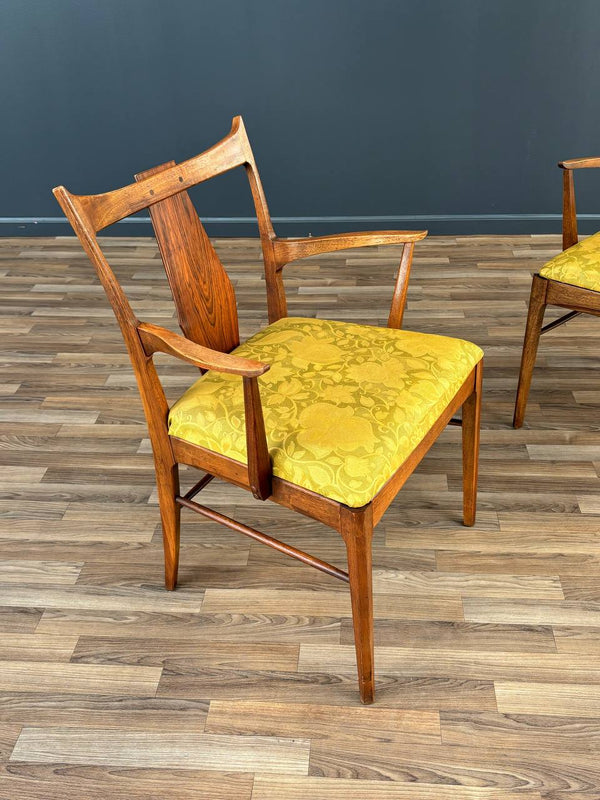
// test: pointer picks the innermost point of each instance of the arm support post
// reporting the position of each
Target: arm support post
(401, 287)
(569, 222)
(569, 218)
(158, 339)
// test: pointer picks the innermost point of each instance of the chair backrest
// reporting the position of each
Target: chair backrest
(203, 294)
(201, 289)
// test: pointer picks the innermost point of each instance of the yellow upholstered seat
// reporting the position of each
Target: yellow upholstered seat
(578, 265)
(344, 404)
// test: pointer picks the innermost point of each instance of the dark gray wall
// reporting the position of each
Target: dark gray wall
(356, 108)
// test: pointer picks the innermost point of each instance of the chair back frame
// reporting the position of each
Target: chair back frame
(202, 292)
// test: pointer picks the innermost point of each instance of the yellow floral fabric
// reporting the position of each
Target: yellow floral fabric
(579, 265)
(344, 404)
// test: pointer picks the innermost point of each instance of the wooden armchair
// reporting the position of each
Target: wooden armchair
(570, 280)
(347, 411)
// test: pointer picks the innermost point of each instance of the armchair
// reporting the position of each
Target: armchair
(329, 418)
(570, 280)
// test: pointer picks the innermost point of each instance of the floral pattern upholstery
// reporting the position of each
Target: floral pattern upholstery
(578, 265)
(344, 404)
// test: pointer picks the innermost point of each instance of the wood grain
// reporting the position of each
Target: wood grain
(298, 721)
(32, 676)
(36, 647)
(171, 750)
(531, 612)
(330, 688)
(212, 627)
(564, 699)
(27, 781)
(99, 597)
(511, 770)
(420, 662)
(518, 731)
(45, 572)
(461, 636)
(176, 655)
(328, 602)
(272, 788)
(433, 584)
(106, 711)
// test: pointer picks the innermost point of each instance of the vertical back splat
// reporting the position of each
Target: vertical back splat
(201, 288)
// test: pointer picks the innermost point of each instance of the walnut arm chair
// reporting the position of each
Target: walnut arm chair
(326, 418)
(570, 280)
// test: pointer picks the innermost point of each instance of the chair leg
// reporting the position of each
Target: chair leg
(357, 531)
(535, 317)
(471, 415)
(167, 481)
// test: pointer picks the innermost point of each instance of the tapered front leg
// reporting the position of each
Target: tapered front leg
(357, 532)
(167, 482)
(471, 416)
(535, 317)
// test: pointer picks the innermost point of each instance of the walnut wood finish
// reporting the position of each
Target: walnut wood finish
(158, 339)
(401, 288)
(288, 250)
(285, 251)
(471, 419)
(535, 318)
(286, 494)
(207, 313)
(545, 292)
(387, 493)
(579, 163)
(574, 297)
(203, 294)
(259, 461)
(569, 213)
(556, 323)
(356, 527)
(263, 538)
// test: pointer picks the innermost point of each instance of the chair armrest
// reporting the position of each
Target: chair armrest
(570, 235)
(286, 250)
(580, 163)
(155, 338)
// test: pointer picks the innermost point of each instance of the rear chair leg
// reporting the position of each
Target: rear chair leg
(471, 415)
(535, 317)
(167, 481)
(357, 531)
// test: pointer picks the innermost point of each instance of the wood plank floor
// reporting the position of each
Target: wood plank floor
(241, 684)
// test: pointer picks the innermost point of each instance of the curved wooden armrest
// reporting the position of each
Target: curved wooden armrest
(570, 235)
(287, 250)
(580, 163)
(155, 338)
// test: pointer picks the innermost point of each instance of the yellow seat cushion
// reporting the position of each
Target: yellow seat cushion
(579, 265)
(344, 404)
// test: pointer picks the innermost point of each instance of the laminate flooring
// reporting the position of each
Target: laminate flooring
(241, 685)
